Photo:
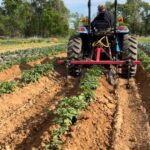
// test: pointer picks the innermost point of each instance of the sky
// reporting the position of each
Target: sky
(80, 6)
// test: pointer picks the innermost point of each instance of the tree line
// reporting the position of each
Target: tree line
(136, 15)
(25, 18)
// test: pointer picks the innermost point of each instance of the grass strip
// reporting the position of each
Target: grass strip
(144, 40)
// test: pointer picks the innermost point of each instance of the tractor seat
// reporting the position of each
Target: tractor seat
(101, 32)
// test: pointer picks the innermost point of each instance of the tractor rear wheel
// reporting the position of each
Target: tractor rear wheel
(130, 46)
(74, 53)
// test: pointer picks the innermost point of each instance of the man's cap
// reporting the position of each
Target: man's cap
(101, 8)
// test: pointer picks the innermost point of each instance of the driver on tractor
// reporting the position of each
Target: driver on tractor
(103, 21)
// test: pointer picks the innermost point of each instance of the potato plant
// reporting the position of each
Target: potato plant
(11, 58)
(70, 107)
(28, 76)
(145, 47)
(7, 87)
(35, 73)
(145, 60)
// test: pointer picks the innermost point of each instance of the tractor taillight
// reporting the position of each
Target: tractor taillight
(82, 29)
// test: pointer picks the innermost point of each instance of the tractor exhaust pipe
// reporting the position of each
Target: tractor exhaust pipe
(115, 17)
(89, 24)
(89, 16)
(115, 25)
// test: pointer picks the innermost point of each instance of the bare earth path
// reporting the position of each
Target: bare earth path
(135, 129)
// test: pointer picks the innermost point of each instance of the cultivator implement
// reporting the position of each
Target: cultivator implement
(112, 75)
(98, 61)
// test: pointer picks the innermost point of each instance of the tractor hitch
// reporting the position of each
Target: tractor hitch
(112, 76)
(98, 61)
(101, 62)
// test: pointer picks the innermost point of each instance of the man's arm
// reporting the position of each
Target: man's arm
(111, 19)
(94, 21)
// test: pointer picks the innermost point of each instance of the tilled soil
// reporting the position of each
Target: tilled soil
(134, 131)
(113, 121)
(94, 128)
(143, 84)
(26, 111)
(124, 125)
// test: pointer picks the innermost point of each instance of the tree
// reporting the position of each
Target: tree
(136, 14)
(33, 18)
(55, 18)
(15, 16)
(75, 18)
(145, 13)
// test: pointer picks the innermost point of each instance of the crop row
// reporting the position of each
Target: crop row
(68, 109)
(10, 41)
(22, 41)
(145, 59)
(11, 58)
(145, 47)
(28, 76)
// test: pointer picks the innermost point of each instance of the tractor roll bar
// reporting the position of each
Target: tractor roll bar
(115, 17)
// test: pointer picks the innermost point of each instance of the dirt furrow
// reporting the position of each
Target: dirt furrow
(94, 127)
(16, 70)
(114, 122)
(143, 83)
(24, 116)
(110, 122)
(134, 132)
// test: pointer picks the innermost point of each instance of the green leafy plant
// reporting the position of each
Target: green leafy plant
(56, 143)
(28, 76)
(7, 87)
(90, 82)
(35, 73)
(23, 56)
(145, 60)
(70, 107)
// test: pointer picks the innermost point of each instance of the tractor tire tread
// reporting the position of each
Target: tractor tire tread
(129, 52)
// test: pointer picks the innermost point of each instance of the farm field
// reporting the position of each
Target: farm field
(143, 39)
(40, 111)
(21, 44)
(74, 75)
(144, 44)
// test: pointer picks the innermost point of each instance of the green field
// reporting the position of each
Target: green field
(14, 44)
(143, 39)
